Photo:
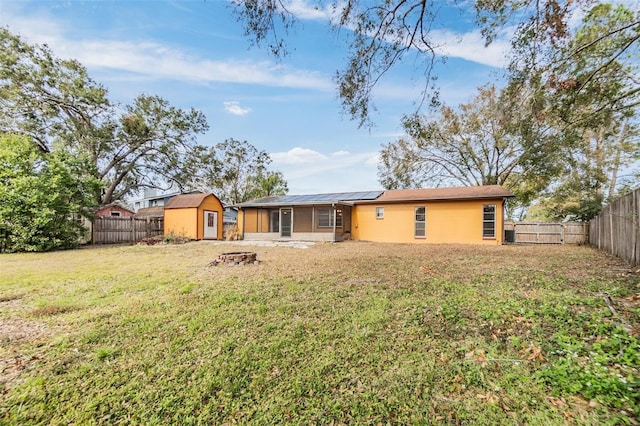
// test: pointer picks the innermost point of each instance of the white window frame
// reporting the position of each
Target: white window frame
(114, 213)
(493, 221)
(417, 222)
(379, 212)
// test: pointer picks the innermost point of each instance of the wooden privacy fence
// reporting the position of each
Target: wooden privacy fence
(108, 230)
(617, 228)
(547, 233)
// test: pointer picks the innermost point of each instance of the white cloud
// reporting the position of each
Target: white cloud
(309, 171)
(471, 47)
(156, 61)
(297, 156)
(374, 160)
(235, 108)
(303, 10)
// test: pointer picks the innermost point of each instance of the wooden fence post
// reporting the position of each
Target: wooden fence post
(611, 229)
(635, 220)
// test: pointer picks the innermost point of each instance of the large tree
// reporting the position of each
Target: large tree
(594, 94)
(51, 100)
(236, 171)
(482, 142)
(150, 148)
(40, 193)
(382, 33)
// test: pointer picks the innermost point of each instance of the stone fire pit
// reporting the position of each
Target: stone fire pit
(235, 258)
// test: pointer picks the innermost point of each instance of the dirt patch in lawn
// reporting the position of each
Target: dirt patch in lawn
(15, 332)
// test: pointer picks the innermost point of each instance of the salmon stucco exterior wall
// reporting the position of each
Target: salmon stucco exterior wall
(459, 222)
(181, 223)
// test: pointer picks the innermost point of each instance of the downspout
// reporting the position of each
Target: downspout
(244, 220)
(334, 221)
(504, 206)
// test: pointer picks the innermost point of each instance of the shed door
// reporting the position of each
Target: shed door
(210, 225)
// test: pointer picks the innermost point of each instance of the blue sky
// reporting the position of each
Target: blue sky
(193, 53)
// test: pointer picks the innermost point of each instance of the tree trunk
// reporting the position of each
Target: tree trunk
(616, 162)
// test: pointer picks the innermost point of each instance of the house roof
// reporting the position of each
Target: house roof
(112, 205)
(186, 201)
(389, 196)
(435, 194)
(157, 211)
(329, 198)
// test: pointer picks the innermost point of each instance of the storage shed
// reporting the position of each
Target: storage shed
(195, 216)
(113, 210)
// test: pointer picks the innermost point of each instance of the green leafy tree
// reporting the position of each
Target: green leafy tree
(383, 33)
(480, 143)
(50, 100)
(41, 194)
(268, 184)
(150, 148)
(236, 171)
(594, 94)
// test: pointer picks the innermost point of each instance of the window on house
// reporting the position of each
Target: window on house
(114, 214)
(489, 221)
(325, 218)
(420, 230)
(379, 212)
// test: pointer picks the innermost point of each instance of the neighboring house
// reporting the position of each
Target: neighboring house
(194, 216)
(113, 210)
(151, 198)
(469, 215)
(230, 215)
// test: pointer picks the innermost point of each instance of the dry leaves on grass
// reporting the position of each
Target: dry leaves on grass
(477, 356)
(532, 354)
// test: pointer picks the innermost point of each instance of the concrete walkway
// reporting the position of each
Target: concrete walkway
(292, 244)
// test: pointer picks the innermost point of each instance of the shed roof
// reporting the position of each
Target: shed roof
(112, 205)
(434, 194)
(186, 201)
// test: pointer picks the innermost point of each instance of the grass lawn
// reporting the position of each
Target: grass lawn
(348, 333)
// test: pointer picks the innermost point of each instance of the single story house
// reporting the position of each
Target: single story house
(194, 216)
(468, 215)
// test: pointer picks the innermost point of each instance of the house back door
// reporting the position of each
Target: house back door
(210, 225)
(285, 222)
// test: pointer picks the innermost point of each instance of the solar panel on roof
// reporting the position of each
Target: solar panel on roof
(332, 197)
